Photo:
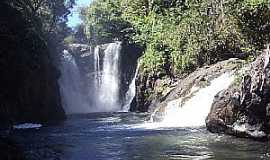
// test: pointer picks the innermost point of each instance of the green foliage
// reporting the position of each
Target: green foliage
(45, 18)
(104, 22)
(70, 39)
(45, 15)
(254, 20)
(182, 35)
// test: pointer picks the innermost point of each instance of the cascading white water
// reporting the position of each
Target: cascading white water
(97, 66)
(98, 90)
(194, 111)
(107, 81)
(73, 99)
(130, 93)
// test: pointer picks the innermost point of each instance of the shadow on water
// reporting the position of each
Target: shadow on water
(102, 136)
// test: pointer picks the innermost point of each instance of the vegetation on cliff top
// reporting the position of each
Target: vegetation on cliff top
(181, 35)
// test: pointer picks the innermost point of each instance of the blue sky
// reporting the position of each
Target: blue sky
(74, 19)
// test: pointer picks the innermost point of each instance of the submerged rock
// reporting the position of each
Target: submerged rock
(243, 110)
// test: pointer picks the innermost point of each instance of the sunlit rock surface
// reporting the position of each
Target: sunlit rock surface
(188, 86)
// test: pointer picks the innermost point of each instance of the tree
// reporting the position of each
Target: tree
(104, 22)
(182, 34)
(45, 15)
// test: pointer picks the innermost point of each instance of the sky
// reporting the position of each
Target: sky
(73, 18)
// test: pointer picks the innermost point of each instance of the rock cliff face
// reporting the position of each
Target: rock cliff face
(244, 110)
(29, 90)
(130, 53)
(149, 90)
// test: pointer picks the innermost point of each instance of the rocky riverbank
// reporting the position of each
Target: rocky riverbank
(243, 109)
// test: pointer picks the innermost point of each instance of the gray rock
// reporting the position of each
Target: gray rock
(250, 117)
(167, 89)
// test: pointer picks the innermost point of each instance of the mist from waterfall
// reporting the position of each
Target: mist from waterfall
(71, 89)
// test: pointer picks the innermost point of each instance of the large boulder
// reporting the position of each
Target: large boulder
(243, 109)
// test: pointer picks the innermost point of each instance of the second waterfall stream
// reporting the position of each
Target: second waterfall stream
(192, 112)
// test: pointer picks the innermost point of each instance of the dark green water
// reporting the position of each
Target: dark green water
(119, 136)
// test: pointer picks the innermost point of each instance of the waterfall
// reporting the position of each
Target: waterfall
(195, 110)
(97, 75)
(73, 98)
(108, 96)
(97, 83)
(192, 112)
(130, 93)
(97, 66)
(107, 78)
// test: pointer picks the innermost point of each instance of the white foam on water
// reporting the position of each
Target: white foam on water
(253, 131)
(27, 126)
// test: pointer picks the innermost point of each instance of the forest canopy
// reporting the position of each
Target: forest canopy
(181, 35)
(47, 18)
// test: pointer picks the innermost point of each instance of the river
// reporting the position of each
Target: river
(125, 136)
